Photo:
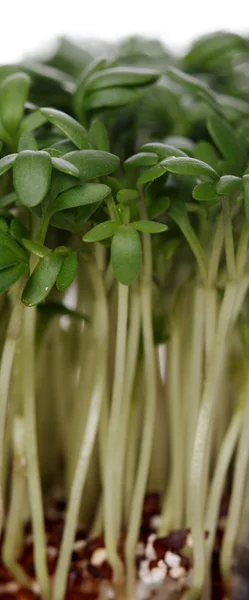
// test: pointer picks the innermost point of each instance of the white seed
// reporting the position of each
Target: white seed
(79, 545)
(35, 587)
(52, 552)
(172, 560)
(189, 540)
(149, 550)
(177, 572)
(98, 557)
(154, 577)
(155, 522)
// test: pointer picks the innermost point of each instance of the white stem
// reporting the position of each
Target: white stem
(219, 478)
(111, 519)
(236, 500)
(149, 413)
(8, 354)
(200, 459)
(88, 438)
(31, 450)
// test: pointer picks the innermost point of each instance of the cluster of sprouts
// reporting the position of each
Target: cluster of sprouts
(124, 278)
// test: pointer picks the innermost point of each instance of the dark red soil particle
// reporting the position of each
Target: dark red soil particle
(75, 577)
(101, 572)
(4, 574)
(24, 594)
(151, 505)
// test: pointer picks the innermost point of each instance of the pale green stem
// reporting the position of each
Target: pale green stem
(8, 355)
(97, 526)
(31, 450)
(229, 243)
(175, 495)
(237, 495)
(112, 462)
(130, 372)
(195, 381)
(149, 412)
(200, 460)
(217, 245)
(132, 446)
(13, 526)
(241, 256)
(219, 478)
(88, 438)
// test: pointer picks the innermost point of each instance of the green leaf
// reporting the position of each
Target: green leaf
(17, 229)
(13, 95)
(35, 248)
(246, 196)
(88, 193)
(142, 159)
(33, 121)
(151, 174)
(64, 146)
(42, 279)
(158, 206)
(31, 176)
(194, 84)
(228, 184)
(127, 195)
(162, 150)
(71, 128)
(227, 141)
(111, 97)
(126, 254)
(205, 152)
(10, 275)
(3, 227)
(78, 99)
(9, 247)
(68, 271)
(188, 166)
(7, 162)
(101, 231)
(204, 191)
(27, 142)
(60, 164)
(121, 76)
(99, 136)
(93, 163)
(180, 142)
(149, 226)
(8, 199)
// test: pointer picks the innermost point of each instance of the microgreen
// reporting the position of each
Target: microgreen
(124, 238)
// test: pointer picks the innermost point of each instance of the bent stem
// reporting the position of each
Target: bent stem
(88, 436)
(202, 445)
(149, 415)
(236, 502)
(8, 355)
(217, 486)
(112, 508)
(31, 450)
(13, 527)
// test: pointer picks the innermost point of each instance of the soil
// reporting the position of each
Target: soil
(163, 564)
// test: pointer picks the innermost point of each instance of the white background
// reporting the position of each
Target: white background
(28, 25)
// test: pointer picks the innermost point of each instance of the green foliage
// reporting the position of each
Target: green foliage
(31, 176)
(126, 254)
